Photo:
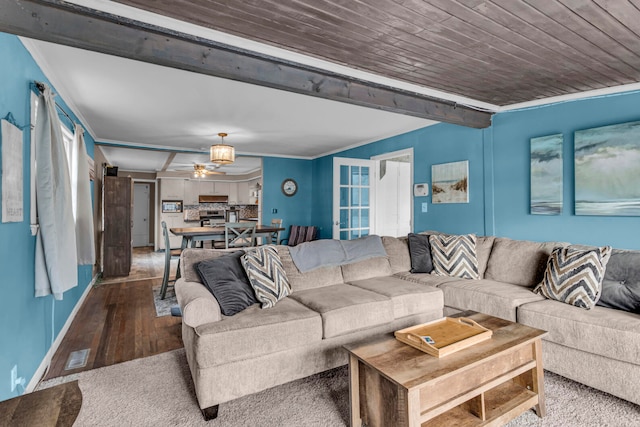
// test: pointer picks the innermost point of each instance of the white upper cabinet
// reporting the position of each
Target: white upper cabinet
(191, 192)
(221, 188)
(206, 188)
(172, 189)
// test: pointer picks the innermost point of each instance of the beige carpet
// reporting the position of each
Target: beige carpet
(157, 391)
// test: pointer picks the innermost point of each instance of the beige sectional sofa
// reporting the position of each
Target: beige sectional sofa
(303, 334)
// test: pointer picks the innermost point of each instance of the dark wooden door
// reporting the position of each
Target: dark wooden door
(117, 194)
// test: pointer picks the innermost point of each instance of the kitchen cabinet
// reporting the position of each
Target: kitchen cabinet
(117, 193)
(206, 188)
(191, 192)
(172, 189)
(243, 193)
(233, 193)
(221, 188)
(172, 220)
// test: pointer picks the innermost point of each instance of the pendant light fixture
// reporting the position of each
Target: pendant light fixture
(222, 153)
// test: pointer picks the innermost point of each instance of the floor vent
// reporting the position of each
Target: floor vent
(77, 359)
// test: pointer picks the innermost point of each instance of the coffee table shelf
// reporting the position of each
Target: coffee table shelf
(486, 384)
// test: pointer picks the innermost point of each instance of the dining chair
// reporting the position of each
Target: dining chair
(275, 235)
(169, 254)
(239, 234)
(300, 234)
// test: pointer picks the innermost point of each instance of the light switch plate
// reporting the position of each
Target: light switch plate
(425, 207)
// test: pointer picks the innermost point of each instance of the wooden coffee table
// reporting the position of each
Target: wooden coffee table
(487, 384)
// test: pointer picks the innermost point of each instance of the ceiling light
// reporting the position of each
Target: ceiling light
(222, 153)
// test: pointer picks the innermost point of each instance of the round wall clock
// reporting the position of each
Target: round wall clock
(289, 187)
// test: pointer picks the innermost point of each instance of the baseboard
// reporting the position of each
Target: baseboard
(37, 376)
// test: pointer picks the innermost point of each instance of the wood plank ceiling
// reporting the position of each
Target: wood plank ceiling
(500, 51)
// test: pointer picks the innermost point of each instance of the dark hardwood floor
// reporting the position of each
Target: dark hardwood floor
(117, 322)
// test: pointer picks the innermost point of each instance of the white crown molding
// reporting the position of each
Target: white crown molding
(58, 86)
(572, 97)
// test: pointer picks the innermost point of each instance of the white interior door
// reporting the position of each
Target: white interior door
(394, 191)
(353, 198)
(140, 232)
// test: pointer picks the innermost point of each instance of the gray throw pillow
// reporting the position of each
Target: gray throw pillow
(227, 280)
(621, 284)
(420, 252)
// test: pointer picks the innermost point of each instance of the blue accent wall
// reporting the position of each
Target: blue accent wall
(499, 174)
(510, 141)
(26, 322)
(294, 210)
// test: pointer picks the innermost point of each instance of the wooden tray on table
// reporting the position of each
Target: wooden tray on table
(444, 336)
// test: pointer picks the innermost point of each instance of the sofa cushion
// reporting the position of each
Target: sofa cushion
(408, 298)
(487, 296)
(345, 308)
(611, 333)
(484, 245)
(519, 262)
(372, 267)
(426, 278)
(397, 249)
(621, 284)
(454, 256)
(255, 332)
(574, 276)
(420, 252)
(323, 276)
(190, 257)
(227, 280)
(266, 275)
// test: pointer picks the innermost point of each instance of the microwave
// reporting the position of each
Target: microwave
(171, 206)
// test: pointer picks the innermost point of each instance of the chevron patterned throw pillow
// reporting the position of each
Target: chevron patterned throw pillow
(266, 275)
(454, 255)
(574, 276)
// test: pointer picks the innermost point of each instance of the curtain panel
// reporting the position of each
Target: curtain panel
(82, 206)
(56, 268)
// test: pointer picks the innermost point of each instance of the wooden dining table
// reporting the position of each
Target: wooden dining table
(191, 235)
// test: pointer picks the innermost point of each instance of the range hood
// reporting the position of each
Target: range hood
(213, 199)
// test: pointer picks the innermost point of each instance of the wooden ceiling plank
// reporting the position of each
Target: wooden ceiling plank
(602, 62)
(554, 59)
(435, 74)
(77, 26)
(590, 30)
(602, 24)
(625, 12)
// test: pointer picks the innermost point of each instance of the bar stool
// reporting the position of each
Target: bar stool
(169, 254)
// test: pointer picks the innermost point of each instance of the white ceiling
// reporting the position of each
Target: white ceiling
(127, 102)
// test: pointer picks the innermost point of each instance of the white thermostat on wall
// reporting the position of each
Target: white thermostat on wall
(421, 190)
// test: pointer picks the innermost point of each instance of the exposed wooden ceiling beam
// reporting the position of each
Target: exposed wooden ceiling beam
(77, 26)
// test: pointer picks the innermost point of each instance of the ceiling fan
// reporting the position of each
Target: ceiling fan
(201, 170)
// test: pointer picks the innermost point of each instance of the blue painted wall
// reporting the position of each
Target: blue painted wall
(295, 209)
(499, 169)
(512, 132)
(26, 322)
(436, 144)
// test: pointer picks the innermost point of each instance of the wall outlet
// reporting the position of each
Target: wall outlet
(274, 210)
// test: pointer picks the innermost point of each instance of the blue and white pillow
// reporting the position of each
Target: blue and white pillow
(266, 275)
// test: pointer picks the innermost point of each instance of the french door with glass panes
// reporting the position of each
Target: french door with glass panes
(353, 198)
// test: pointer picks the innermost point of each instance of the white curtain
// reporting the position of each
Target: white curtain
(82, 206)
(56, 268)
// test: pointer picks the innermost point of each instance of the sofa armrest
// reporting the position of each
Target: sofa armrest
(198, 305)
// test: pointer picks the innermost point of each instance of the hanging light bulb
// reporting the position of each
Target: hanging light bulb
(222, 153)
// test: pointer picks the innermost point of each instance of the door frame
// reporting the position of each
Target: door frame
(391, 155)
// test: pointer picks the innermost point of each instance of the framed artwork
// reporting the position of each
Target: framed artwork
(607, 171)
(450, 182)
(546, 175)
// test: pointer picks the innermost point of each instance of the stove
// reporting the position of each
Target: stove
(212, 217)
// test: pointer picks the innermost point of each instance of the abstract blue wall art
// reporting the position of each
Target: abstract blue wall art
(546, 175)
(607, 172)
